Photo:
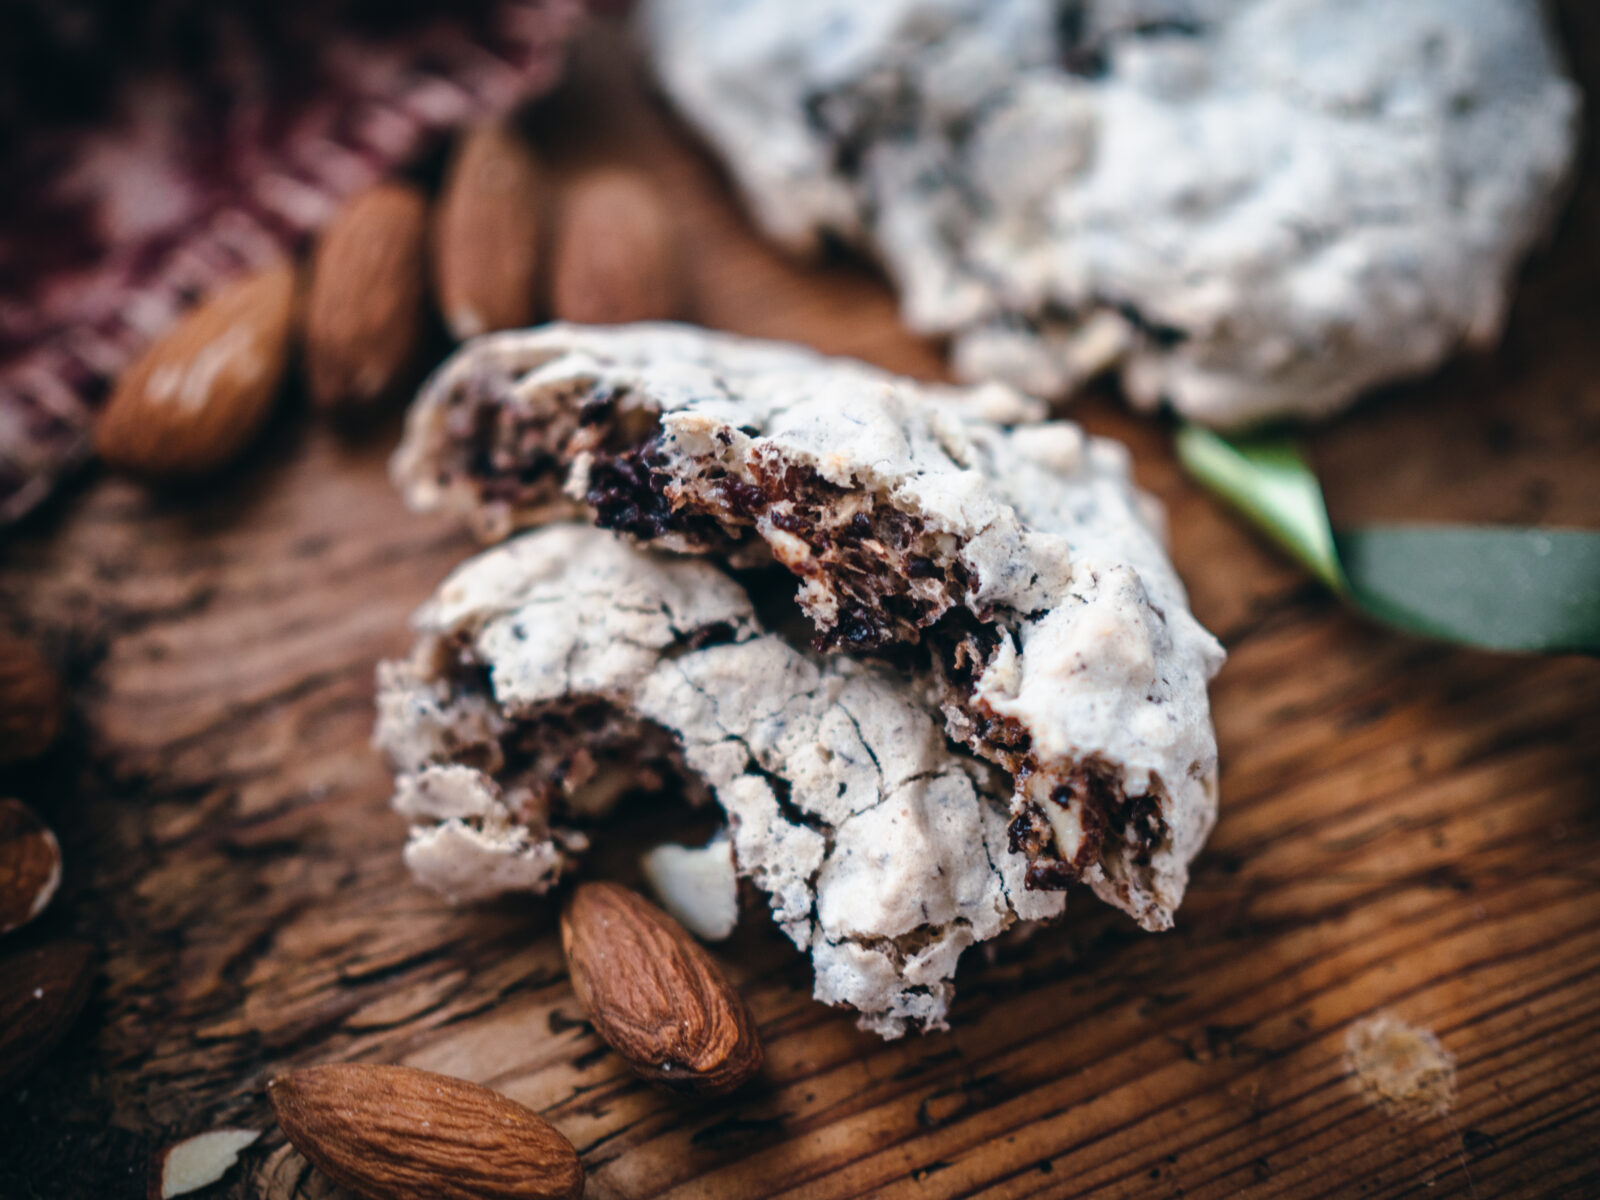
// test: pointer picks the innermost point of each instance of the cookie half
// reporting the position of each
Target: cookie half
(565, 657)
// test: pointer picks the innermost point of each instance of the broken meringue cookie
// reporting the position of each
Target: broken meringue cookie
(882, 848)
(1249, 209)
(1015, 567)
(487, 777)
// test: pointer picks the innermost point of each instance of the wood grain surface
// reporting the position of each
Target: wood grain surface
(1405, 828)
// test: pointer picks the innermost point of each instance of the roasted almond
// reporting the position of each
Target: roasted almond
(41, 993)
(30, 865)
(653, 993)
(616, 257)
(31, 701)
(364, 309)
(394, 1133)
(197, 396)
(488, 232)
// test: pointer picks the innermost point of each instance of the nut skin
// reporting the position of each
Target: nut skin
(616, 258)
(365, 310)
(32, 701)
(654, 995)
(42, 991)
(394, 1133)
(30, 865)
(198, 395)
(488, 234)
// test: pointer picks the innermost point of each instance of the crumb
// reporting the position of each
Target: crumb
(1400, 1066)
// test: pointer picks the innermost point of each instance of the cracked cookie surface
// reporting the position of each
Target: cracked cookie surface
(883, 850)
(1247, 208)
(1013, 566)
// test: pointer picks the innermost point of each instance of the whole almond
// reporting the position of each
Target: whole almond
(32, 701)
(488, 232)
(394, 1133)
(197, 396)
(654, 994)
(42, 991)
(615, 257)
(30, 865)
(364, 309)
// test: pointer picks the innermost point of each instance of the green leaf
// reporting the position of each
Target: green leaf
(1269, 481)
(1501, 588)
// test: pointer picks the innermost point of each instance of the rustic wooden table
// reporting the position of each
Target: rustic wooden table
(1405, 827)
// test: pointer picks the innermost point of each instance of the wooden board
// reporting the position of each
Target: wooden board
(1405, 827)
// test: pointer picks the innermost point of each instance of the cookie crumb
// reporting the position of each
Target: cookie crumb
(1400, 1066)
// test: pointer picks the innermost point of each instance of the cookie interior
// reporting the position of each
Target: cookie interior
(569, 759)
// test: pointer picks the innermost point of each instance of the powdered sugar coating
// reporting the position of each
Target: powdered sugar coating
(882, 849)
(1248, 207)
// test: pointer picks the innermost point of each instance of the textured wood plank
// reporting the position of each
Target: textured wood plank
(1405, 827)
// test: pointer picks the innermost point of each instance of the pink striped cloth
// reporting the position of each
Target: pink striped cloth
(232, 136)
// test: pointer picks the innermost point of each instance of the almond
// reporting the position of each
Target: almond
(32, 701)
(393, 1133)
(41, 993)
(615, 254)
(488, 234)
(196, 1162)
(654, 994)
(30, 865)
(197, 396)
(364, 310)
